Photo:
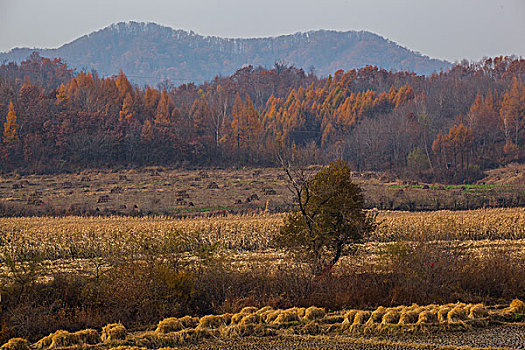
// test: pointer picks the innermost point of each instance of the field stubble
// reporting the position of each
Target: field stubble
(87, 244)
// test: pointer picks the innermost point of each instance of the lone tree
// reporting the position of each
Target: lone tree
(330, 215)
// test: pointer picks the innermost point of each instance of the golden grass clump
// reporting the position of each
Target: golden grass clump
(45, 342)
(264, 311)
(409, 316)
(349, 316)
(214, 321)
(377, 315)
(16, 344)
(251, 319)
(63, 338)
(391, 317)
(478, 311)
(443, 313)
(517, 306)
(189, 321)
(427, 317)
(286, 316)
(361, 317)
(271, 315)
(88, 336)
(248, 310)
(314, 313)
(114, 331)
(458, 314)
(168, 325)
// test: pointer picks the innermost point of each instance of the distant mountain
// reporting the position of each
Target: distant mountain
(149, 53)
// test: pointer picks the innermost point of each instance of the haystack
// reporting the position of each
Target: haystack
(391, 317)
(189, 321)
(409, 316)
(168, 325)
(361, 317)
(377, 315)
(517, 306)
(349, 317)
(16, 344)
(248, 310)
(62, 339)
(314, 313)
(428, 317)
(478, 311)
(457, 314)
(443, 313)
(215, 321)
(88, 336)
(114, 331)
(287, 316)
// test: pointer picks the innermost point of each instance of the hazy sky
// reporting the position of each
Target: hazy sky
(449, 29)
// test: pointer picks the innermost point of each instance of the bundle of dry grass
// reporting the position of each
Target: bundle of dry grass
(392, 316)
(264, 311)
(515, 311)
(168, 325)
(443, 313)
(478, 311)
(16, 344)
(124, 347)
(189, 321)
(250, 319)
(214, 321)
(409, 316)
(248, 310)
(517, 306)
(44, 342)
(458, 314)
(88, 336)
(300, 311)
(62, 339)
(349, 317)
(377, 315)
(114, 331)
(286, 316)
(361, 317)
(428, 317)
(314, 313)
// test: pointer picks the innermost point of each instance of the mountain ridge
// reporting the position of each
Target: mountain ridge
(150, 53)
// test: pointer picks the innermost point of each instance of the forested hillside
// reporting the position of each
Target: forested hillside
(150, 53)
(444, 127)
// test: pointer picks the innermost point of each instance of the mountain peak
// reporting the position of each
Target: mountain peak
(150, 53)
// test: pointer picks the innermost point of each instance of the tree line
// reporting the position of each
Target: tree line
(445, 127)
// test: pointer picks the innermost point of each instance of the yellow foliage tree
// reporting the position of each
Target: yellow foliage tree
(10, 126)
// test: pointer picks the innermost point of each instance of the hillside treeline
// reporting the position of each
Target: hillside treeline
(444, 127)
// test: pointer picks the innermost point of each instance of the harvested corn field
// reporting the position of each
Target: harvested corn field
(79, 237)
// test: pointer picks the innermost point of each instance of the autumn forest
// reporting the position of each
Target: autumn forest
(446, 127)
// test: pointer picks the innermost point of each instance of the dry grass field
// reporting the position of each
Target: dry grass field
(139, 247)
(179, 192)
